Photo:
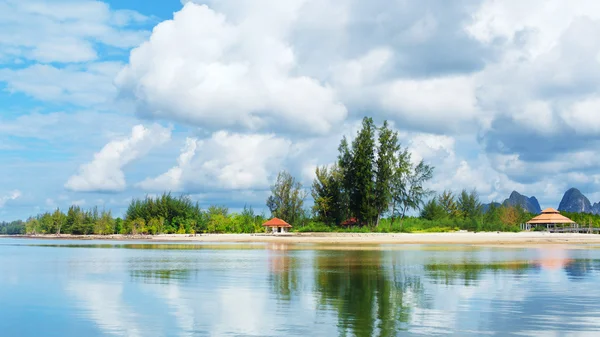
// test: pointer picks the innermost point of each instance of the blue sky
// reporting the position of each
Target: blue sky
(104, 101)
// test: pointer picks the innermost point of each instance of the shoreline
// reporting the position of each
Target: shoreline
(462, 238)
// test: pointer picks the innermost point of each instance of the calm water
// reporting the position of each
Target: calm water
(65, 288)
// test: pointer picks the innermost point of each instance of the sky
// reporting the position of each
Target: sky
(102, 102)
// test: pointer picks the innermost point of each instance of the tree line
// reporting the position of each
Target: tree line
(165, 214)
(465, 211)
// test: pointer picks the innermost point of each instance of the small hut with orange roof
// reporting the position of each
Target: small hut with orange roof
(277, 226)
(550, 218)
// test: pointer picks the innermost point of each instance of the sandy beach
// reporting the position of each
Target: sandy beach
(481, 238)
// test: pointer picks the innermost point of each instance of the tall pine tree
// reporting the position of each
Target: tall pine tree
(386, 161)
(362, 191)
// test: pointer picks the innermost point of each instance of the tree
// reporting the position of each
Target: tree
(287, 199)
(509, 215)
(408, 184)
(137, 225)
(448, 203)
(469, 205)
(346, 173)
(46, 223)
(327, 193)
(402, 172)
(362, 190)
(119, 227)
(433, 210)
(156, 225)
(492, 215)
(32, 226)
(59, 220)
(74, 221)
(105, 224)
(386, 160)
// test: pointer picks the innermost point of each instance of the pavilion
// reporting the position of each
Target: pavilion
(550, 218)
(277, 226)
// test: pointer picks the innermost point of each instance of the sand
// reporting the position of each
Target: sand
(481, 238)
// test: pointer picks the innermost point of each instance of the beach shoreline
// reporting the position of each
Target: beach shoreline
(480, 238)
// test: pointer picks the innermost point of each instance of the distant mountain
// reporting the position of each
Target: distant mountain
(486, 207)
(596, 208)
(531, 205)
(574, 201)
(515, 199)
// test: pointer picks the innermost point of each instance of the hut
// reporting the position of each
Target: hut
(277, 226)
(550, 218)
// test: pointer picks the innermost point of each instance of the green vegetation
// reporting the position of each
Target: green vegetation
(12, 228)
(165, 214)
(371, 179)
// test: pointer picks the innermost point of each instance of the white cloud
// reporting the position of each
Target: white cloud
(582, 116)
(446, 103)
(202, 69)
(14, 195)
(86, 85)
(64, 30)
(172, 180)
(226, 161)
(547, 19)
(105, 172)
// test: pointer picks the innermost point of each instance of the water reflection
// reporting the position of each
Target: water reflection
(369, 298)
(284, 272)
(280, 289)
(468, 273)
(163, 276)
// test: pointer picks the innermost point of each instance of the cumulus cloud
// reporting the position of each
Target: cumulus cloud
(105, 172)
(226, 161)
(14, 195)
(202, 69)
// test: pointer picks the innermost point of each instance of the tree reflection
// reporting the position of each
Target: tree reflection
(161, 276)
(469, 273)
(284, 270)
(369, 298)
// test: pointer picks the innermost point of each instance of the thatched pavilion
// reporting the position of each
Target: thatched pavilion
(550, 218)
(277, 226)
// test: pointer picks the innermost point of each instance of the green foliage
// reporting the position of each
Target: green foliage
(12, 228)
(469, 206)
(327, 192)
(362, 189)
(315, 227)
(385, 168)
(409, 191)
(169, 208)
(448, 202)
(433, 210)
(584, 219)
(287, 199)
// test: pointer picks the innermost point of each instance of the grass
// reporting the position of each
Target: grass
(412, 225)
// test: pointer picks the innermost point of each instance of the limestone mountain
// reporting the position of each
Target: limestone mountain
(530, 204)
(574, 201)
(596, 208)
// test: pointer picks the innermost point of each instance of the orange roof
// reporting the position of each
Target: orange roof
(276, 222)
(550, 216)
(550, 211)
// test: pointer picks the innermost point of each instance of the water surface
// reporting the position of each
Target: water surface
(99, 288)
